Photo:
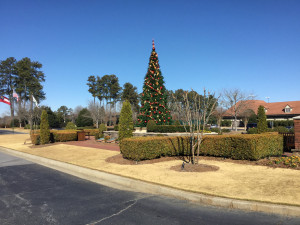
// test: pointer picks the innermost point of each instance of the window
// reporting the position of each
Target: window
(287, 109)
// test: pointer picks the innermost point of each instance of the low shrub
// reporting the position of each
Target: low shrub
(166, 128)
(102, 127)
(250, 147)
(225, 130)
(281, 129)
(217, 130)
(35, 138)
(64, 135)
(70, 126)
(93, 132)
(55, 136)
(142, 148)
(151, 126)
(225, 123)
(252, 130)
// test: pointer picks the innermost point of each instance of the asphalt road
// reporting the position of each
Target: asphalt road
(32, 194)
(10, 132)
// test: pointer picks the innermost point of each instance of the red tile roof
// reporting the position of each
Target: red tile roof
(273, 108)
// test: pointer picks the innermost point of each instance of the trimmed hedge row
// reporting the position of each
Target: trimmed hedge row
(142, 148)
(55, 136)
(249, 147)
(168, 128)
(93, 132)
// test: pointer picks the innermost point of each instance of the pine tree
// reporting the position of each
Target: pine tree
(44, 129)
(154, 96)
(126, 122)
(262, 125)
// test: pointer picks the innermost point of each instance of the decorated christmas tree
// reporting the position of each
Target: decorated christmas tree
(154, 98)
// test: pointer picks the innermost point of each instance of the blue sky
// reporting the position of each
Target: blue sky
(252, 45)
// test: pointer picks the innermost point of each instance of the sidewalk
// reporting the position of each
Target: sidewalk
(233, 181)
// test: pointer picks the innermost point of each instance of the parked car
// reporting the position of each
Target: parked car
(214, 126)
(251, 125)
(289, 127)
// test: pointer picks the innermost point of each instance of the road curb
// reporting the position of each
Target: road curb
(124, 183)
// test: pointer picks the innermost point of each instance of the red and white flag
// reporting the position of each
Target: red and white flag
(4, 100)
(15, 95)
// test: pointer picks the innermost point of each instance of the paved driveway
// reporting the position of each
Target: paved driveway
(33, 194)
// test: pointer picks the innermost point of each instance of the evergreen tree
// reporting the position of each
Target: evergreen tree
(130, 93)
(125, 122)
(8, 79)
(44, 128)
(154, 96)
(92, 83)
(84, 118)
(262, 125)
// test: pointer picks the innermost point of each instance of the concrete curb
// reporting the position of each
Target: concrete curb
(129, 184)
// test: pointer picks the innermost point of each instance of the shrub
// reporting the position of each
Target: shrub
(35, 138)
(151, 125)
(262, 125)
(64, 135)
(125, 123)
(252, 130)
(225, 130)
(93, 132)
(55, 136)
(217, 130)
(281, 129)
(44, 131)
(70, 126)
(116, 127)
(142, 148)
(102, 127)
(225, 123)
(250, 147)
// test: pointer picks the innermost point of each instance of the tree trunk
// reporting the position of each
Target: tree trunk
(31, 113)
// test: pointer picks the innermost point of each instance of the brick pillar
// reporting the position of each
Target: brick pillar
(297, 132)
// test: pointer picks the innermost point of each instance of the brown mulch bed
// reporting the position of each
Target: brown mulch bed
(118, 159)
(194, 168)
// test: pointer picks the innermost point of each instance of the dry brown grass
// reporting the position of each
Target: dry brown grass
(232, 180)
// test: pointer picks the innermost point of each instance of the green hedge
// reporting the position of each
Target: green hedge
(142, 148)
(249, 147)
(55, 136)
(166, 128)
(93, 132)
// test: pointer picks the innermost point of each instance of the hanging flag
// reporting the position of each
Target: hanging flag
(35, 101)
(15, 95)
(4, 100)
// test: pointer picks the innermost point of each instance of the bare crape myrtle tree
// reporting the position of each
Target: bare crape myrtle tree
(194, 111)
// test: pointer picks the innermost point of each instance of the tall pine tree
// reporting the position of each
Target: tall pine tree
(154, 96)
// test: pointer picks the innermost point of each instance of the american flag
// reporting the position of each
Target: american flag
(15, 95)
(4, 100)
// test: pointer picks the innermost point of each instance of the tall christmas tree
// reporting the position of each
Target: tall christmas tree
(154, 98)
